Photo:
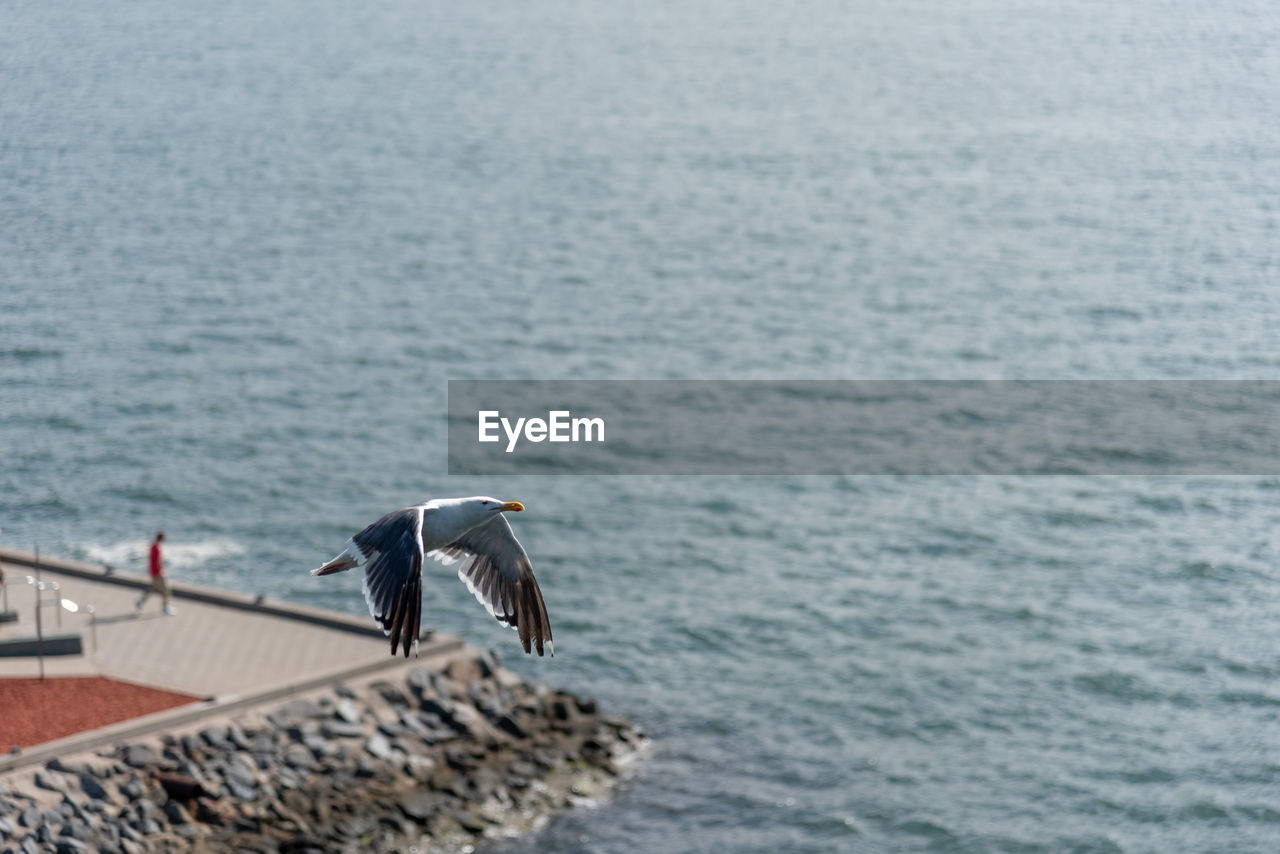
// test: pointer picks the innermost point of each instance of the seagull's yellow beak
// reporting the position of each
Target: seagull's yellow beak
(511, 505)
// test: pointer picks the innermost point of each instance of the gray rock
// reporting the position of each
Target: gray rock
(176, 813)
(188, 831)
(470, 822)
(52, 781)
(412, 724)
(563, 708)
(344, 691)
(193, 746)
(236, 736)
(150, 827)
(511, 727)
(470, 722)
(30, 845)
(342, 729)
(348, 711)
(459, 758)
(57, 763)
(242, 793)
(138, 756)
(390, 693)
(92, 787)
(215, 736)
(440, 709)
(7, 827)
(483, 699)
(354, 827)
(132, 789)
(439, 685)
(263, 744)
(520, 768)
(391, 729)
(419, 682)
(378, 747)
(439, 734)
(208, 814)
(76, 829)
(420, 807)
(303, 731)
(319, 747)
(397, 824)
(239, 774)
(419, 767)
(298, 756)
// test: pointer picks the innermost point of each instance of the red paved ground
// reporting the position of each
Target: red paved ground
(33, 712)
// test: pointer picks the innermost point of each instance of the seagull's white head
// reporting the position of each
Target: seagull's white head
(493, 505)
(480, 508)
(466, 513)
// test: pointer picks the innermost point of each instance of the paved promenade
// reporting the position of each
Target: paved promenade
(221, 646)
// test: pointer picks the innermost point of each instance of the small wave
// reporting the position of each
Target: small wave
(1119, 686)
(133, 554)
(1141, 776)
(63, 422)
(1077, 519)
(1260, 813)
(926, 828)
(194, 554)
(1090, 844)
(30, 354)
(1204, 811)
(1162, 504)
(1249, 698)
(1099, 313)
(144, 494)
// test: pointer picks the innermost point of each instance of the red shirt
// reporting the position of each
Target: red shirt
(157, 562)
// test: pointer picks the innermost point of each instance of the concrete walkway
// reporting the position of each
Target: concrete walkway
(221, 646)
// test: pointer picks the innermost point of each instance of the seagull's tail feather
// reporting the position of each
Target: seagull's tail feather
(349, 559)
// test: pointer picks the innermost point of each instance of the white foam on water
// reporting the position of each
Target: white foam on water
(132, 555)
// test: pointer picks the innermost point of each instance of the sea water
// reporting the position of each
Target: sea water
(243, 247)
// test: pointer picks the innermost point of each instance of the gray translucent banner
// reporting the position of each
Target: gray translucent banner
(864, 427)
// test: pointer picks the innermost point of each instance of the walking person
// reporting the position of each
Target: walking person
(159, 584)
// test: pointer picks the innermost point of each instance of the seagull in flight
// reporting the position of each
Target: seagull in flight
(473, 530)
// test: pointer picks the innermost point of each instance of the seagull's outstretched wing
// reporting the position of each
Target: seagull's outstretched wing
(393, 575)
(497, 570)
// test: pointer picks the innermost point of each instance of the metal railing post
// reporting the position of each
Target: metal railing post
(39, 626)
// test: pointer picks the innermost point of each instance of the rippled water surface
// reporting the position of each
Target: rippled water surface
(243, 247)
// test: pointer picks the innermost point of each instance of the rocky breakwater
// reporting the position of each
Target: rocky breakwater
(432, 760)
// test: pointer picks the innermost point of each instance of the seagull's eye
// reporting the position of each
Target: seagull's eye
(484, 502)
